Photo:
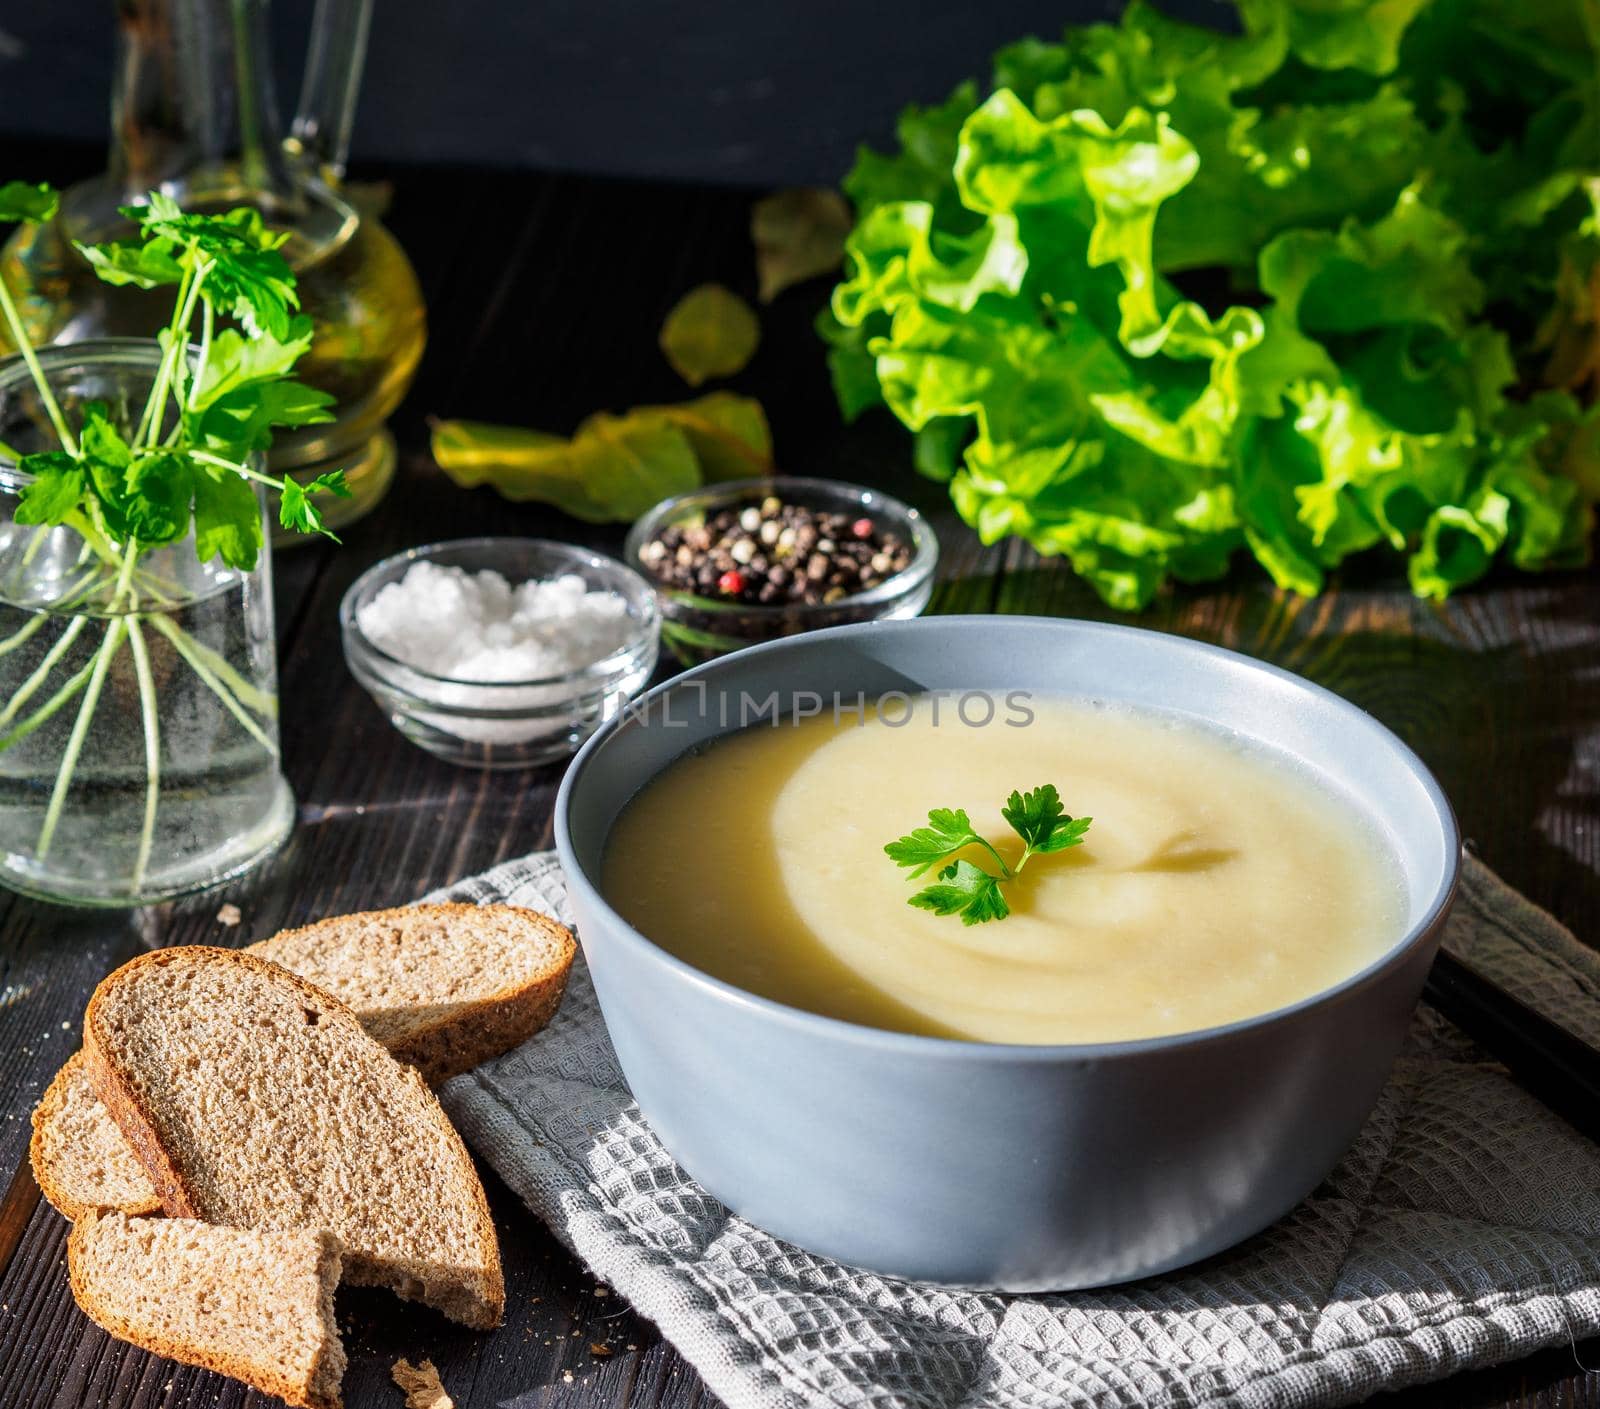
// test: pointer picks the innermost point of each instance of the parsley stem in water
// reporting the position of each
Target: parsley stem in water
(47, 397)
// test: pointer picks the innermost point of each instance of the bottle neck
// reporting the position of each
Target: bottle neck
(192, 107)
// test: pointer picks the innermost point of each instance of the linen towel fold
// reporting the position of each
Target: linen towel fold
(1462, 1229)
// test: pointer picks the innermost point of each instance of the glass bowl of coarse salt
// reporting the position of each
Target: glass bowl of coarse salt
(500, 652)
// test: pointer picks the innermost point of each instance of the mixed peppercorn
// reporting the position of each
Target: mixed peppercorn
(775, 554)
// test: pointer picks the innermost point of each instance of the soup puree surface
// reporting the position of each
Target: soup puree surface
(1217, 881)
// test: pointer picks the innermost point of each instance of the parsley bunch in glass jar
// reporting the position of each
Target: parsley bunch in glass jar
(137, 483)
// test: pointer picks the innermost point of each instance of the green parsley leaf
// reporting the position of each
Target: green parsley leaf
(20, 201)
(146, 264)
(292, 403)
(227, 518)
(56, 490)
(968, 890)
(235, 360)
(242, 420)
(1069, 832)
(100, 437)
(257, 288)
(333, 483)
(106, 457)
(1038, 818)
(236, 231)
(249, 278)
(948, 830)
(295, 509)
(965, 890)
(158, 205)
(160, 488)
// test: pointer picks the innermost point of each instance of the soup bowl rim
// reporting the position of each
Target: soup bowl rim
(964, 1049)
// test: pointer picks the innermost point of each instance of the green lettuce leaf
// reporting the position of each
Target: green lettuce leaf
(1338, 34)
(920, 171)
(1118, 179)
(1167, 293)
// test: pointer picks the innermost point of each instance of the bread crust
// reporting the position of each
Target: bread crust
(131, 1117)
(110, 1320)
(58, 1192)
(488, 1026)
(481, 1308)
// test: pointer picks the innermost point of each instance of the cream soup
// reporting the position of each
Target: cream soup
(1217, 881)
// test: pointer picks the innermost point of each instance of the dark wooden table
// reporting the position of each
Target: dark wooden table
(550, 317)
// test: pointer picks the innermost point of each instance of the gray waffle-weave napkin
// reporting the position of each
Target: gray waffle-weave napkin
(1462, 1229)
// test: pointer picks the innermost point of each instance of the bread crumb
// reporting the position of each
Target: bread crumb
(596, 1348)
(420, 1385)
(567, 1376)
(602, 1291)
(229, 916)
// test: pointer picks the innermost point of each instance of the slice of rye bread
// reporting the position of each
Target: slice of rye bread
(250, 1303)
(444, 987)
(256, 1099)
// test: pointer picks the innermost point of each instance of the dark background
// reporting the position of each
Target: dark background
(758, 92)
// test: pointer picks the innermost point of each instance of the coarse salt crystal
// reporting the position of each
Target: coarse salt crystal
(476, 626)
(488, 638)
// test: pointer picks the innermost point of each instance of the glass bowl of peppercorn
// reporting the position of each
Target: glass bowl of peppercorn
(750, 560)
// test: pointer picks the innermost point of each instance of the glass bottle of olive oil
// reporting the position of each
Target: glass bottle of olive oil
(193, 115)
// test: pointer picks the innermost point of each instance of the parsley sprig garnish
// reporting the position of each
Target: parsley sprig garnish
(964, 888)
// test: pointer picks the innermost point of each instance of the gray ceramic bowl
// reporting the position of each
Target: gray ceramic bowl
(983, 1165)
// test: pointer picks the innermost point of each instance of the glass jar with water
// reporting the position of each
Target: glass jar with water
(138, 686)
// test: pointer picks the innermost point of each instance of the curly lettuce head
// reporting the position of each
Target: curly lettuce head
(1168, 293)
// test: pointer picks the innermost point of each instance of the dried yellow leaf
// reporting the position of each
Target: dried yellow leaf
(798, 235)
(710, 332)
